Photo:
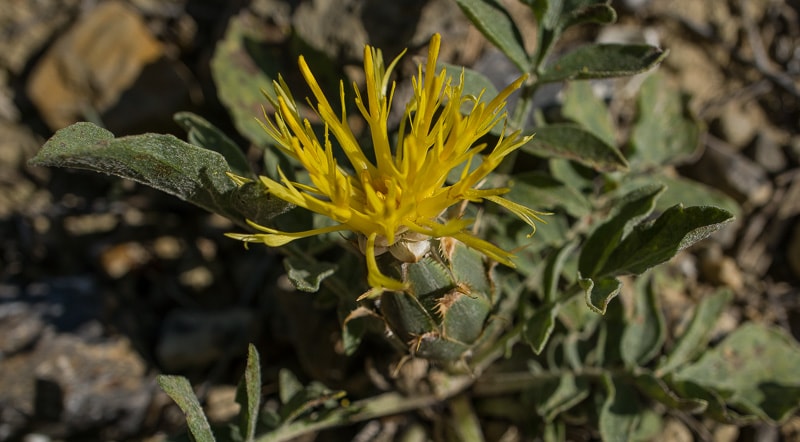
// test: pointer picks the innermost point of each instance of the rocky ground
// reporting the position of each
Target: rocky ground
(105, 284)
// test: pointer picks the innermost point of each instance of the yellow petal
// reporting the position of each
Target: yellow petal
(277, 238)
(524, 213)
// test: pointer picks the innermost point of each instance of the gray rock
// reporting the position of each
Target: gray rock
(69, 386)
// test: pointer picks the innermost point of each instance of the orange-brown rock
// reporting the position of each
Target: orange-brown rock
(87, 69)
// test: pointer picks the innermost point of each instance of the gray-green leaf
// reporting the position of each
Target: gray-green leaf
(653, 243)
(492, 19)
(602, 60)
(644, 333)
(599, 293)
(200, 132)
(248, 395)
(179, 389)
(756, 368)
(163, 162)
(575, 143)
(694, 340)
(665, 132)
(601, 243)
(305, 275)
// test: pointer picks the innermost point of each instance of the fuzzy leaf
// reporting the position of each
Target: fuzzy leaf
(539, 327)
(303, 399)
(200, 132)
(715, 406)
(630, 210)
(653, 243)
(242, 67)
(248, 395)
(552, 270)
(693, 341)
(357, 324)
(575, 143)
(582, 106)
(665, 131)
(683, 191)
(306, 276)
(658, 390)
(645, 332)
(495, 23)
(179, 389)
(586, 11)
(599, 293)
(164, 162)
(540, 190)
(620, 414)
(756, 368)
(602, 60)
(559, 395)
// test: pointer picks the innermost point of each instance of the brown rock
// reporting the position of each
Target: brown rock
(88, 68)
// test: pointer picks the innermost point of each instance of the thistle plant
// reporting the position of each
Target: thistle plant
(398, 202)
(511, 328)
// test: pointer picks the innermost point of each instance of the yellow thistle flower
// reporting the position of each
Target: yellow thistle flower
(403, 195)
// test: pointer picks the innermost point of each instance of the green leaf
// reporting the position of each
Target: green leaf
(586, 11)
(304, 399)
(253, 201)
(756, 368)
(715, 406)
(582, 106)
(683, 191)
(357, 324)
(554, 16)
(601, 243)
(645, 332)
(539, 327)
(464, 420)
(575, 143)
(553, 269)
(602, 61)
(179, 389)
(559, 395)
(242, 66)
(200, 132)
(163, 162)
(658, 390)
(693, 341)
(620, 414)
(306, 275)
(653, 243)
(248, 395)
(665, 131)
(288, 385)
(495, 23)
(599, 293)
(542, 191)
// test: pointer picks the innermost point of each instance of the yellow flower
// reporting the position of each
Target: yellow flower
(402, 196)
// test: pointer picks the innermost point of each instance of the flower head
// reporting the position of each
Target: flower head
(401, 196)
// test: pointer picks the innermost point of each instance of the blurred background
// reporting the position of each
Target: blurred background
(105, 283)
